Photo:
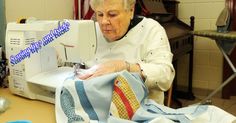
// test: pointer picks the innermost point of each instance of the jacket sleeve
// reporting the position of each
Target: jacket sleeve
(156, 63)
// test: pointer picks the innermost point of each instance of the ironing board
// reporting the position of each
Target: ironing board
(226, 43)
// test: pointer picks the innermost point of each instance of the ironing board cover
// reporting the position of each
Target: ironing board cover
(226, 40)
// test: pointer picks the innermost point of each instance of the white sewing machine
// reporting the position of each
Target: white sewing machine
(37, 76)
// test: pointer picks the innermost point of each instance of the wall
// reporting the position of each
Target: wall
(208, 60)
(41, 9)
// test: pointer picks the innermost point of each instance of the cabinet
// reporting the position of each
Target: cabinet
(180, 38)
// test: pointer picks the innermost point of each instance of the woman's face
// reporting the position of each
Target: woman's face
(113, 19)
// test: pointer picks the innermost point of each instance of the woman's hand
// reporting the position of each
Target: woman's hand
(104, 68)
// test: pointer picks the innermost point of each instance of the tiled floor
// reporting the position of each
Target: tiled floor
(228, 105)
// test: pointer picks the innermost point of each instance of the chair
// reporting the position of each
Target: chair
(168, 97)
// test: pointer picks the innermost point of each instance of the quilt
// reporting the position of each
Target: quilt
(122, 98)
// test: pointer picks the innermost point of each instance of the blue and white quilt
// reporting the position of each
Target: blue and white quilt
(122, 98)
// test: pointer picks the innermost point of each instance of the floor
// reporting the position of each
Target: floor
(228, 105)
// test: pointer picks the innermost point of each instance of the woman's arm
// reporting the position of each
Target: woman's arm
(156, 64)
(111, 67)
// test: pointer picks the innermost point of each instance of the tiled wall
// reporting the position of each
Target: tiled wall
(41, 9)
(208, 60)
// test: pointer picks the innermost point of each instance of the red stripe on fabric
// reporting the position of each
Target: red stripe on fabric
(82, 9)
(125, 101)
(75, 9)
(89, 14)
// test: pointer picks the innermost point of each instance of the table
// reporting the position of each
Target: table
(25, 109)
(226, 42)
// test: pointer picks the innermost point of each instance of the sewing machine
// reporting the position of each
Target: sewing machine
(37, 52)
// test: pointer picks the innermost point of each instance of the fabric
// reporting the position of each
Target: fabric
(122, 98)
(82, 10)
(86, 10)
(223, 17)
(223, 21)
(146, 44)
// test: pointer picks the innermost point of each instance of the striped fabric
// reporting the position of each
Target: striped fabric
(122, 98)
(86, 10)
(85, 103)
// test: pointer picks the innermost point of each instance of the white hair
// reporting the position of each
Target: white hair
(127, 3)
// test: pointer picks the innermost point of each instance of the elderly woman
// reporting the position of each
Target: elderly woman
(139, 45)
(135, 44)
